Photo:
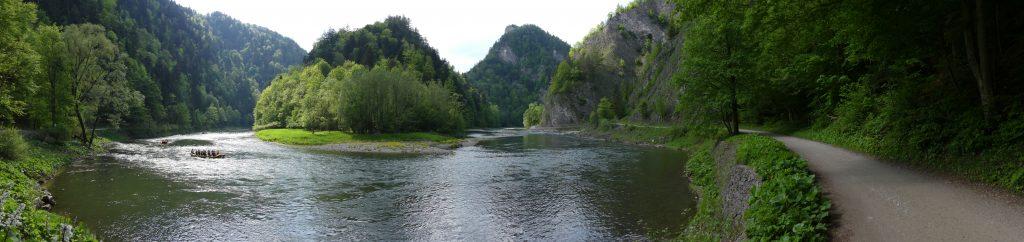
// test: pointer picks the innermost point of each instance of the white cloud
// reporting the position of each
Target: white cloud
(461, 30)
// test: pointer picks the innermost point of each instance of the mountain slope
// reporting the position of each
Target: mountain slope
(629, 60)
(201, 71)
(517, 70)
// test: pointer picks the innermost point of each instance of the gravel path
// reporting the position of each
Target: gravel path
(879, 201)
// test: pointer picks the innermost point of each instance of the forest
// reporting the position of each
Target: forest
(922, 81)
(382, 78)
(128, 71)
(935, 85)
(927, 81)
(517, 70)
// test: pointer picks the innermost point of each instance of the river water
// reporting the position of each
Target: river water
(514, 185)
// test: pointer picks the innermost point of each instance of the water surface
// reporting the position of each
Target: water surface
(518, 187)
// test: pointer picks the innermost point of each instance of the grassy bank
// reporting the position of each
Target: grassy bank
(708, 223)
(675, 137)
(788, 205)
(22, 167)
(303, 137)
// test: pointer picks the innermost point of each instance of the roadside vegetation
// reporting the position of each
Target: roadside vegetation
(933, 84)
(787, 206)
(305, 137)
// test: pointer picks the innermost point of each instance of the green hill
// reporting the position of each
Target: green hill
(518, 69)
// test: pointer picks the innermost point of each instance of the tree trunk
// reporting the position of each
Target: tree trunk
(81, 124)
(735, 106)
(985, 82)
(978, 56)
(53, 98)
(92, 137)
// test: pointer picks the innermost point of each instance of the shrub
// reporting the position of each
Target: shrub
(533, 114)
(788, 205)
(12, 145)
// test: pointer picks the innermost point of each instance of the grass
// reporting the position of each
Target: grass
(304, 137)
(707, 223)
(18, 180)
(675, 137)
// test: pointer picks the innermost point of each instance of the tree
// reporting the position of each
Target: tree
(19, 63)
(52, 97)
(98, 79)
(606, 109)
(533, 115)
(717, 59)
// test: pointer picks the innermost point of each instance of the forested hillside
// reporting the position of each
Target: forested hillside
(394, 42)
(626, 63)
(382, 78)
(923, 81)
(190, 71)
(517, 70)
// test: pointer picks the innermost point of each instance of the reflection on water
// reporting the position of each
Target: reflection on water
(532, 186)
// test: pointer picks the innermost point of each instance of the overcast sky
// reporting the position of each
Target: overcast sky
(461, 30)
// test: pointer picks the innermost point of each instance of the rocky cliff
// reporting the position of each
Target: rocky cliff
(630, 60)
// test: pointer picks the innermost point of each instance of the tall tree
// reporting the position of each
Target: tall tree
(19, 63)
(715, 69)
(98, 79)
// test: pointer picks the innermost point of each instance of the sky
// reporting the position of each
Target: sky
(461, 30)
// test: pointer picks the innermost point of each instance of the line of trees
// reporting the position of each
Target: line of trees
(382, 99)
(936, 77)
(193, 71)
(397, 43)
(59, 78)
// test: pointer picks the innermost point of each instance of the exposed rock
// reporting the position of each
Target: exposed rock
(46, 201)
(631, 60)
(735, 182)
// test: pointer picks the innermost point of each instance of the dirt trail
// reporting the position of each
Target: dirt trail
(879, 201)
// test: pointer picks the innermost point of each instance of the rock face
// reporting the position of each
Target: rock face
(735, 182)
(517, 70)
(630, 60)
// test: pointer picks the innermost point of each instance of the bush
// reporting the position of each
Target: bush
(533, 115)
(788, 206)
(12, 145)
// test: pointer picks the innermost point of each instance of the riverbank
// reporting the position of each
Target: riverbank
(25, 202)
(672, 137)
(785, 202)
(337, 141)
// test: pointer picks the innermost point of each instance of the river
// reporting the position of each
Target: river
(513, 185)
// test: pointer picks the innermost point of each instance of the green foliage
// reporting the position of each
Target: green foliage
(394, 43)
(606, 110)
(518, 69)
(12, 146)
(905, 80)
(193, 71)
(788, 205)
(19, 62)
(707, 223)
(533, 115)
(100, 89)
(302, 137)
(19, 188)
(566, 77)
(353, 98)
(390, 100)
